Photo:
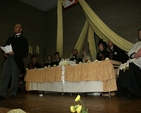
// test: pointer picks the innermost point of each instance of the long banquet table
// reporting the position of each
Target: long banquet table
(85, 77)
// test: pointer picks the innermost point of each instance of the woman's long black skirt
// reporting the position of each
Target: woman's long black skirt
(129, 82)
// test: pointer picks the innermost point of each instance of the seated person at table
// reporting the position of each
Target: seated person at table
(49, 62)
(75, 56)
(57, 58)
(129, 80)
(33, 64)
(103, 53)
(86, 55)
(116, 53)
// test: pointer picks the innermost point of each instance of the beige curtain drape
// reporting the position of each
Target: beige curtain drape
(91, 42)
(81, 38)
(93, 25)
(59, 41)
(102, 29)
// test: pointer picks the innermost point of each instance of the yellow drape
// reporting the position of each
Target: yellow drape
(92, 45)
(60, 27)
(81, 38)
(97, 23)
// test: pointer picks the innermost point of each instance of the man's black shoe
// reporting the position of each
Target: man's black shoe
(2, 98)
(12, 96)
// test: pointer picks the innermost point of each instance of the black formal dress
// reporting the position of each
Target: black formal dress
(129, 82)
(129, 79)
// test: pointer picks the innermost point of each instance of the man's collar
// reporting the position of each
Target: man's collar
(18, 35)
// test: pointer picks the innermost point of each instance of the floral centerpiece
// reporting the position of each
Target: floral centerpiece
(79, 108)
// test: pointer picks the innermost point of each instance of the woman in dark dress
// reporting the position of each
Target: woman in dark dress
(103, 53)
(129, 80)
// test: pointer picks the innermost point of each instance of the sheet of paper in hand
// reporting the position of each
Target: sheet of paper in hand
(7, 48)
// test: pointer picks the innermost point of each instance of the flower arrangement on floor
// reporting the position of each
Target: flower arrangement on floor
(78, 108)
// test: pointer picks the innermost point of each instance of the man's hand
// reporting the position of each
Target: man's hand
(11, 53)
(5, 55)
(136, 55)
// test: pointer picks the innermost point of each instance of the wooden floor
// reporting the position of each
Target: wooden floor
(58, 103)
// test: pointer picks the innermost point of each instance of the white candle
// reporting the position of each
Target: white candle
(29, 49)
(38, 49)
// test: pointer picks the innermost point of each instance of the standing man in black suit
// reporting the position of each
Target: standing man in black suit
(13, 63)
(116, 53)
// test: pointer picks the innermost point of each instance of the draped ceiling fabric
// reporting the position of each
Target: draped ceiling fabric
(91, 42)
(90, 39)
(60, 27)
(93, 25)
(97, 23)
(81, 38)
